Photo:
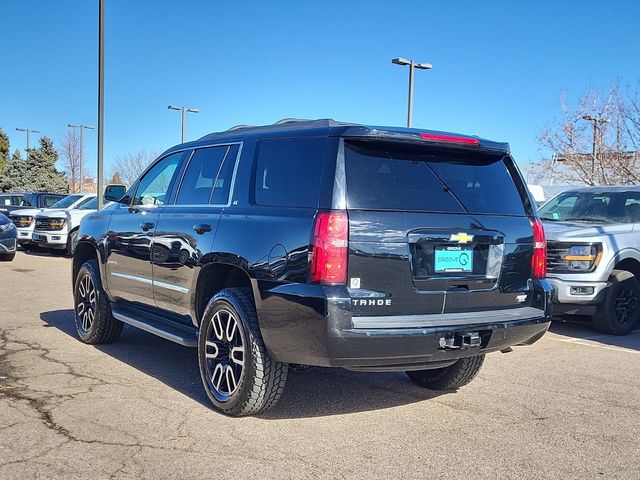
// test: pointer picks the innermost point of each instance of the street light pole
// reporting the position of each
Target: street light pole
(28, 130)
(100, 102)
(184, 111)
(412, 66)
(81, 127)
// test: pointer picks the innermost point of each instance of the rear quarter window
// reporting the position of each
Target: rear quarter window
(389, 177)
(289, 171)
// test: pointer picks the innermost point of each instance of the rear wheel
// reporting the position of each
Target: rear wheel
(95, 323)
(448, 378)
(238, 374)
(620, 311)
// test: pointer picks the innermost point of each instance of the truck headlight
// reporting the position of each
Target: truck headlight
(583, 258)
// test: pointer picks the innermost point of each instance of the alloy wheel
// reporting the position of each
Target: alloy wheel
(626, 305)
(86, 303)
(224, 355)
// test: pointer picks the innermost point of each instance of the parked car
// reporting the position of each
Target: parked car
(25, 219)
(7, 239)
(594, 255)
(319, 243)
(30, 200)
(57, 229)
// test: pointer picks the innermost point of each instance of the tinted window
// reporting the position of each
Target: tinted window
(201, 175)
(222, 186)
(154, 186)
(50, 200)
(66, 202)
(288, 172)
(388, 177)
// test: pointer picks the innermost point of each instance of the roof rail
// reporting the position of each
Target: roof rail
(291, 120)
(238, 127)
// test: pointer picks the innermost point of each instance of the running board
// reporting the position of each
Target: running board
(170, 331)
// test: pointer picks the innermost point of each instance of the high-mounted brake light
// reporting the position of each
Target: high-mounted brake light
(539, 259)
(438, 137)
(329, 248)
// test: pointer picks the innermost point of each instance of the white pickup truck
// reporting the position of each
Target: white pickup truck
(25, 219)
(58, 228)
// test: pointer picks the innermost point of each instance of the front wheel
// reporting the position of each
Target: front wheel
(237, 372)
(95, 323)
(619, 313)
(448, 378)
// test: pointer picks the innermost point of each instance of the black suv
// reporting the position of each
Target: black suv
(319, 243)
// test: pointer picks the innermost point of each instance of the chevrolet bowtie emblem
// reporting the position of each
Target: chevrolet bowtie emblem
(461, 237)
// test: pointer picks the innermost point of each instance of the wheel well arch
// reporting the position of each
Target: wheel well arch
(630, 265)
(84, 252)
(215, 277)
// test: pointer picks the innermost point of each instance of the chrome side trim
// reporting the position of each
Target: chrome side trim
(448, 319)
(170, 286)
(148, 281)
(135, 278)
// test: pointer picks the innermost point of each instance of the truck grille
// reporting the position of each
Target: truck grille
(555, 257)
(21, 221)
(49, 223)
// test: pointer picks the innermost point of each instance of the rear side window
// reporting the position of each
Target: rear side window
(202, 175)
(388, 177)
(289, 172)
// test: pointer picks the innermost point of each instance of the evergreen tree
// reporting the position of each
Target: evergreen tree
(4, 151)
(15, 177)
(42, 172)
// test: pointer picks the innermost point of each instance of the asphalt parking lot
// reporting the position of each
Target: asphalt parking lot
(567, 407)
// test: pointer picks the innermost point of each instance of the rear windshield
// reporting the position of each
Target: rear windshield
(389, 177)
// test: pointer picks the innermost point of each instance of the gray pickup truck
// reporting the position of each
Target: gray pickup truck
(593, 255)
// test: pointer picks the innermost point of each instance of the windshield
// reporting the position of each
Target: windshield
(66, 202)
(593, 207)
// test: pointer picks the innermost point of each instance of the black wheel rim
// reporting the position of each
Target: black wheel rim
(626, 305)
(224, 355)
(85, 303)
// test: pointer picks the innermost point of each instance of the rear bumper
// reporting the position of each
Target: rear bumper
(313, 325)
(50, 239)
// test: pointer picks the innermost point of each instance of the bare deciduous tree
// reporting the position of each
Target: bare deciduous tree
(70, 152)
(128, 168)
(595, 142)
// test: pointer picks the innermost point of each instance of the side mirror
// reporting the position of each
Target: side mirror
(116, 193)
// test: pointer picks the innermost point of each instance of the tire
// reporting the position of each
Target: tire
(229, 330)
(448, 378)
(619, 312)
(95, 323)
(72, 241)
(7, 257)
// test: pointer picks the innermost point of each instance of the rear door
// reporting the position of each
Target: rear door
(435, 230)
(187, 228)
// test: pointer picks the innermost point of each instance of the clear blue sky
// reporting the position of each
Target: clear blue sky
(499, 66)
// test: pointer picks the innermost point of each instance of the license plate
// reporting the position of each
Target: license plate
(453, 259)
(36, 238)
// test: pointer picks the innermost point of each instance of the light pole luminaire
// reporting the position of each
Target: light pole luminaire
(81, 127)
(184, 111)
(412, 65)
(28, 130)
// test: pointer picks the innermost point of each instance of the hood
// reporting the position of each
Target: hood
(581, 230)
(26, 212)
(49, 213)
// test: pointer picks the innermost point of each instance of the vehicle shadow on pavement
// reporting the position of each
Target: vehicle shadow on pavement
(581, 329)
(313, 392)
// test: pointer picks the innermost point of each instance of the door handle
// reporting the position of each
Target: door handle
(203, 227)
(146, 226)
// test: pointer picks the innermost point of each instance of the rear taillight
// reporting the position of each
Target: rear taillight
(539, 259)
(440, 137)
(329, 248)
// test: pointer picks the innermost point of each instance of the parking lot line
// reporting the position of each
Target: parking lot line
(585, 342)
